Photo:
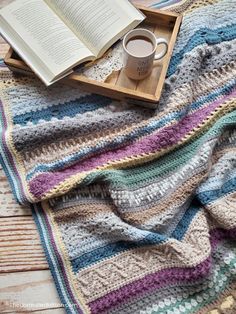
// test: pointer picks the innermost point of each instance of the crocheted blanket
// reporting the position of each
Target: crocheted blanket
(136, 208)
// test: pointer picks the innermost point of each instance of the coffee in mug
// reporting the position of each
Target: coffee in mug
(139, 46)
(140, 51)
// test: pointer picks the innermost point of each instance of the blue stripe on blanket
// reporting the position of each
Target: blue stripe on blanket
(69, 109)
(208, 197)
(114, 248)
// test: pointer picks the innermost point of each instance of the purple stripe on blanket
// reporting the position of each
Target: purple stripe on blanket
(162, 278)
(165, 138)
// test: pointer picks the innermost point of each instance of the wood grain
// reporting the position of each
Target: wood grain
(8, 205)
(4, 47)
(20, 247)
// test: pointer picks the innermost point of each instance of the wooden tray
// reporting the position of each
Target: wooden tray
(118, 86)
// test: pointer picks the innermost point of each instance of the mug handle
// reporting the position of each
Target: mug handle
(164, 52)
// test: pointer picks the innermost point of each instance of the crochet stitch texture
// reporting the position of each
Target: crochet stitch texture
(136, 208)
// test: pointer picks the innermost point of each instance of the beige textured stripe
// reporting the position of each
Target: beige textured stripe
(108, 275)
(187, 6)
(198, 4)
(84, 210)
(223, 210)
(177, 198)
(50, 153)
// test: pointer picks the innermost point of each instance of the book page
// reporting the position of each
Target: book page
(45, 34)
(96, 22)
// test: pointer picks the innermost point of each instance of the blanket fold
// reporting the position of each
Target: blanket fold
(136, 208)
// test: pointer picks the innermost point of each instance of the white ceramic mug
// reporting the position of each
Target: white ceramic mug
(137, 67)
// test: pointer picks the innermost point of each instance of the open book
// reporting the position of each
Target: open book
(53, 36)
